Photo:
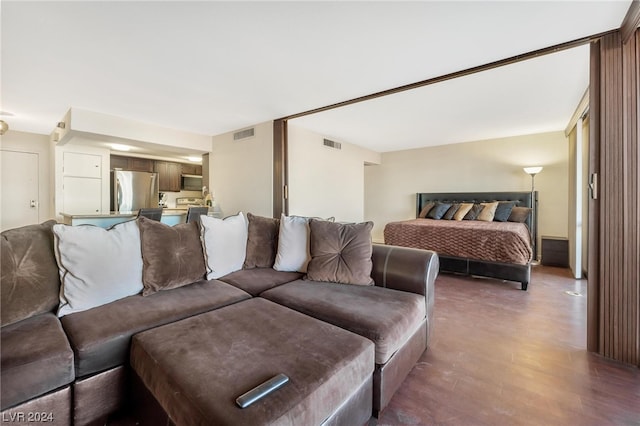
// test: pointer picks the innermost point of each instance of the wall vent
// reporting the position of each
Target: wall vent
(332, 144)
(244, 134)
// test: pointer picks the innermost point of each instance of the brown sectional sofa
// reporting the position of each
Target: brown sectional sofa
(77, 367)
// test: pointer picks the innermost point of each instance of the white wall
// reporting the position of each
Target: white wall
(324, 181)
(491, 165)
(37, 144)
(241, 172)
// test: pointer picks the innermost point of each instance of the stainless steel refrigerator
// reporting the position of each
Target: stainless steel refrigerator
(131, 191)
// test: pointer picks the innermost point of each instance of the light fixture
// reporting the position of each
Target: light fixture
(3, 127)
(61, 125)
(195, 159)
(120, 147)
(533, 171)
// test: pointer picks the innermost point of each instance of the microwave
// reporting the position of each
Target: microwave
(191, 183)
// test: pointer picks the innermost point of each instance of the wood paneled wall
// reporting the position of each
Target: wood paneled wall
(614, 268)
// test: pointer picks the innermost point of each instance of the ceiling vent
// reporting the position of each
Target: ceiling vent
(244, 134)
(332, 144)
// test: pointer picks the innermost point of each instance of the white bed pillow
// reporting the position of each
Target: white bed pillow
(293, 244)
(225, 244)
(97, 266)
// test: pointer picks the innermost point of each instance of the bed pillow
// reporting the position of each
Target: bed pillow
(172, 255)
(225, 244)
(473, 212)
(452, 211)
(438, 210)
(262, 241)
(97, 266)
(487, 212)
(519, 214)
(340, 253)
(425, 210)
(462, 211)
(503, 211)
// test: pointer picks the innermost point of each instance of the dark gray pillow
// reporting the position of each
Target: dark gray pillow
(262, 242)
(474, 212)
(172, 256)
(30, 282)
(438, 210)
(340, 253)
(452, 211)
(503, 211)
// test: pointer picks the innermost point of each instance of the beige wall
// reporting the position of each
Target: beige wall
(38, 144)
(491, 165)
(325, 181)
(241, 172)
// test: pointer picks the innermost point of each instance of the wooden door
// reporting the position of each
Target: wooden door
(20, 192)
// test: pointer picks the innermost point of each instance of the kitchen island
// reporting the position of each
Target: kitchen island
(107, 220)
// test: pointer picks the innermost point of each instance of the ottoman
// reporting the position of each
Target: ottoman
(196, 368)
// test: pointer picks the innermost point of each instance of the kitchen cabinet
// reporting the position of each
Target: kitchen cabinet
(132, 163)
(169, 175)
(82, 165)
(81, 195)
(191, 169)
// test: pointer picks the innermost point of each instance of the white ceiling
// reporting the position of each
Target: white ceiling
(213, 67)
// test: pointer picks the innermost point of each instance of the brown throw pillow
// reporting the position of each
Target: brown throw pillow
(425, 210)
(473, 213)
(452, 211)
(30, 283)
(462, 211)
(488, 211)
(340, 253)
(171, 255)
(262, 243)
(519, 214)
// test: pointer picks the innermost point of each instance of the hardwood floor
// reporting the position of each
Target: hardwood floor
(502, 356)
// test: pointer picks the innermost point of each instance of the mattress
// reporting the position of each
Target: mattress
(504, 242)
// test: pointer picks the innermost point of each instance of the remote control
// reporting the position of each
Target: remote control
(261, 390)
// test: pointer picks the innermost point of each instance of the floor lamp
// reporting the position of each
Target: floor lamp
(533, 171)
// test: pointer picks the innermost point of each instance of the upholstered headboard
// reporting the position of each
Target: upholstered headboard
(522, 199)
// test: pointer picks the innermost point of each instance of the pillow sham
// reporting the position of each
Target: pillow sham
(438, 210)
(487, 212)
(340, 253)
(97, 266)
(262, 241)
(425, 210)
(452, 211)
(503, 211)
(293, 244)
(519, 214)
(473, 212)
(172, 255)
(225, 244)
(462, 211)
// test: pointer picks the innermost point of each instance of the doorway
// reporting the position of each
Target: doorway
(19, 189)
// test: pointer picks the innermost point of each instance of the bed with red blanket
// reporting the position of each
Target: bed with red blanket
(494, 249)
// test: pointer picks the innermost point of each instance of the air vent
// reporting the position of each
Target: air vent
(332, 144)
(244, 134)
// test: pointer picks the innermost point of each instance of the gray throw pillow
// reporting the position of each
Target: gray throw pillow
(262, 242)
(438, 210)
(340, 253)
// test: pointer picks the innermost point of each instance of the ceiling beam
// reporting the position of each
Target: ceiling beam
(502, 62)
(631, 21)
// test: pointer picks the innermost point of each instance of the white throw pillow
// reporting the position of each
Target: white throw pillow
(97, 266)
(225, 244)
(293, 244)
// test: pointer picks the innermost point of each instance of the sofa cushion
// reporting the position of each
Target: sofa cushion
(293, 244)
(35, 359)
(97, 266)
(255, 281)
(385, 316)
(100, 337)
(340, 252)
(30, 283)
(225, 244)
(262, 242)
(172, 255)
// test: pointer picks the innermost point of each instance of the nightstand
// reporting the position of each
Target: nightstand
(555, 251)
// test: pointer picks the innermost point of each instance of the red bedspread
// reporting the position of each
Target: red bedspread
(506, 242)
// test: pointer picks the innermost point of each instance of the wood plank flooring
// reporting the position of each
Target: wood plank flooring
(502, 356)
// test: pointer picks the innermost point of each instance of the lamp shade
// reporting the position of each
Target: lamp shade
(532, 170)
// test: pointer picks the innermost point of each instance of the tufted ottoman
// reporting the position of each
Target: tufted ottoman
(197, 367)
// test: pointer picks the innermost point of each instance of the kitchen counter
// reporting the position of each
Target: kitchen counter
(107, 220)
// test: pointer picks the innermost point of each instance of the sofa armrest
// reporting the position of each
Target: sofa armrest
(407, 269)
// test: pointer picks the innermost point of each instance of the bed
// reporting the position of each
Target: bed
(502, 250)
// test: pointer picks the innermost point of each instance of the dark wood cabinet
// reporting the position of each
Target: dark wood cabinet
(555, 251)
(192, 169)
(168, 176)
(131, 163)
